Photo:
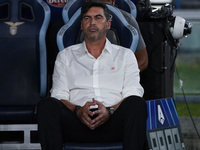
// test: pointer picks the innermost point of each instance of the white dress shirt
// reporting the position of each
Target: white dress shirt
(78, 76)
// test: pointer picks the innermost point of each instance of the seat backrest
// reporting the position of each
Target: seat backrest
(70, 8)
(56, 7)
(56, 22)
(128, 6)
(73, 5)
(23, 75)
(68, 34)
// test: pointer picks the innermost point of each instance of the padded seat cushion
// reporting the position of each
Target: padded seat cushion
(17, 114)
(93, 146)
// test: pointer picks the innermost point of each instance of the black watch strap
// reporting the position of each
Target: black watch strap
(76, 109)
(111, 110)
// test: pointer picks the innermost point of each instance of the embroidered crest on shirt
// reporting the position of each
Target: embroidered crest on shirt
(112, 68)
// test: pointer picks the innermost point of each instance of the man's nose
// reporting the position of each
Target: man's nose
(93, 21)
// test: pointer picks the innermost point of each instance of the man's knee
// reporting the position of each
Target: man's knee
(136, 103)
(47, 104)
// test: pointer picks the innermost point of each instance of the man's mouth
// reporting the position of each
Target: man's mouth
(92, 29)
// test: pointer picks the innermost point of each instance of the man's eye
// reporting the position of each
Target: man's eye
(99, 17)
(86, 18)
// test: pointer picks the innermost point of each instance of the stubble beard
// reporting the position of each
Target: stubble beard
(100, 34)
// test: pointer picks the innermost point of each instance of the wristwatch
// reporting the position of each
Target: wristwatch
(76, 109)
(111, 110)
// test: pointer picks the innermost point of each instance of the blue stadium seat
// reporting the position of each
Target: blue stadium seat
(68, 34)
(56, 22)
(70, 8)
(73, 5)
(56, 7)
(23, 74)
(127, 5)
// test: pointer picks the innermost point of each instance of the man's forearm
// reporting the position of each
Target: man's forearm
(118, 104)
(142, 58)
(68, 104)
(72, 106)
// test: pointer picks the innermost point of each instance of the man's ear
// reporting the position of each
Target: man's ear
(81, 26)
(109, 24)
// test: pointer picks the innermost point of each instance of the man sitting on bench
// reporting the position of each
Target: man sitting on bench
(96, 94)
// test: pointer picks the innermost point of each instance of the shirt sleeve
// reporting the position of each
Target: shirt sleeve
(132, 84)
(60, 88)
(141, 44)
(131, 20)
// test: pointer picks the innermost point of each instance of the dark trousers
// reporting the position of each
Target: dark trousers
(58, 124)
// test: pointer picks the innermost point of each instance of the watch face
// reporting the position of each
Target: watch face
(111, 110)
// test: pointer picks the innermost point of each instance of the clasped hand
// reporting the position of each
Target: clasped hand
(102, 113)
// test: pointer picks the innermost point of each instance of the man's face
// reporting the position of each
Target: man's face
(94, 24)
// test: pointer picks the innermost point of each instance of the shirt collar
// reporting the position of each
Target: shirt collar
(107, 47)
